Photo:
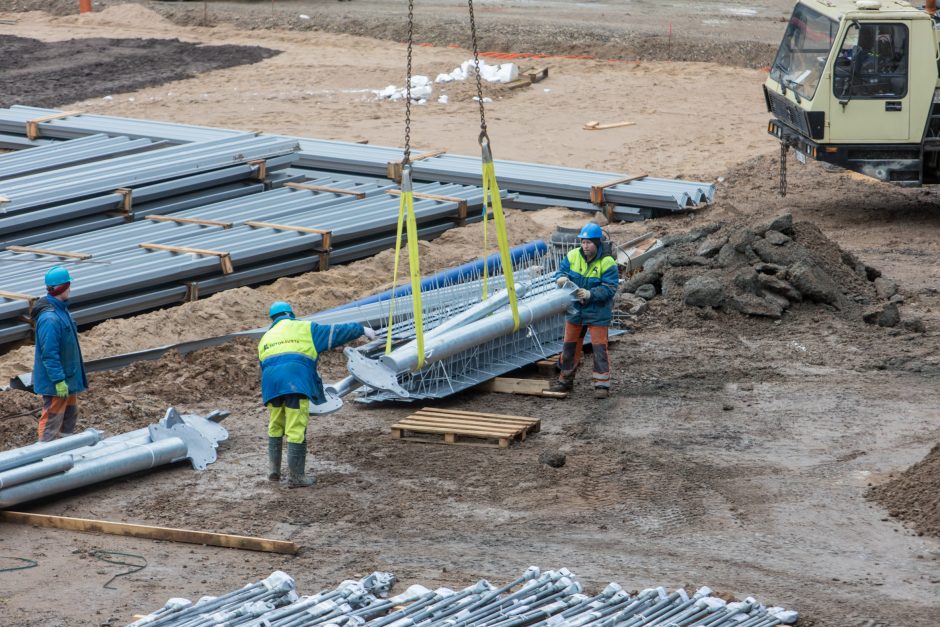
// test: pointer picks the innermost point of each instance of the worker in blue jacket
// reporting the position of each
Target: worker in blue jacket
(594, 272)
(289, 382)
(58, 369)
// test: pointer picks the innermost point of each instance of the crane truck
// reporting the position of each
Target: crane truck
(854, 84)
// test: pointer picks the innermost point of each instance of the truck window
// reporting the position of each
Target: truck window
(872, 62)
(804, 51)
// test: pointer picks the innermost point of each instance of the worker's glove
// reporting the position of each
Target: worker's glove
(369, 333)
(62, 389)
(582, 294)
(561, 281)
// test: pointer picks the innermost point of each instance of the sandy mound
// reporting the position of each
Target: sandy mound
(128, 15)
(914, 497)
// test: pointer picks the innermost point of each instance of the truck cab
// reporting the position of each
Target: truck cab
(854, 83)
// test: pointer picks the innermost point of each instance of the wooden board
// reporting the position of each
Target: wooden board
(530, 387)
(597, 191)
(152, 533)
(597, 126)
(49, 253)
(225, 261)
(32, 126)
(156, 218)
(329, 190)
(464, 427)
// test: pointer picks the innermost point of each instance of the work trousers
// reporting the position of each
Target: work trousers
(570, 358)
(58, 417)
(289, 415)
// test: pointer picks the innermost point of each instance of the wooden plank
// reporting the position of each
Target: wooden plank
(597, 191)
(393, 168)
(17, 296)
(152, 533)
(326, 243)
(32, 126)
(547, 367)
(410, 438)
(530, 387)
(156, 218)
(224, 259)
(597, 126)
(430, 428)
(51, 253)
(498, 421)
(329, 190)
(397, 192)
(4, 199)
(473, 413)
(472, 418)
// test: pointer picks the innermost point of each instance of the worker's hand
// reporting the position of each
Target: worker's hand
(582, 294)
(62, 389)
(368, 332)
(561, 281)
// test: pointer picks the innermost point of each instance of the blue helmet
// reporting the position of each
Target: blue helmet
(591, 231)
(57, 275)
(280, 308)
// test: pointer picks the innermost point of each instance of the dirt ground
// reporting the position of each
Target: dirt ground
(734, 452)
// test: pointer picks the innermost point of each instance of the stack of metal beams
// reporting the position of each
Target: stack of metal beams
(535, 599)
(529, 184)
(161, 260)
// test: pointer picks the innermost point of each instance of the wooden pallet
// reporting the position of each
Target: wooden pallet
(467, 428)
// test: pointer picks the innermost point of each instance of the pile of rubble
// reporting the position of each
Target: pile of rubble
(764, 270)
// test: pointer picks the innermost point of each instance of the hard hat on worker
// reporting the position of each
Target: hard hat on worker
(57, 276)
(591, 231)
(280, 308)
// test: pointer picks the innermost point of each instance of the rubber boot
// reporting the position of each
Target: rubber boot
(601, 392)
(275, 446)
(296, 462)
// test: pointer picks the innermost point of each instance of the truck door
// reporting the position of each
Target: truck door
(870, 84)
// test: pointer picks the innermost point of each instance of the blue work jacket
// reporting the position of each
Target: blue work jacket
(288, 353)
(600, 277)
(58, 356)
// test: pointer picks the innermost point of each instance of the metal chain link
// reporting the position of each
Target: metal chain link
(411, 37)
(784, 148)
(476, 65)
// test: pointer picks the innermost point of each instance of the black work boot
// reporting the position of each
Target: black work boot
(275, 446)
(296, 462)
(562, 384)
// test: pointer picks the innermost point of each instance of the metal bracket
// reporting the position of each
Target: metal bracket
(372, 373)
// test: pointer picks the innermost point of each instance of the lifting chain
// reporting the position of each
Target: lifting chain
(784, 148)
(406, 159)
(484, 137)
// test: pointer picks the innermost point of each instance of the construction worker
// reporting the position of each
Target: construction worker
(58, 369)
(289, 382)
(594, 272)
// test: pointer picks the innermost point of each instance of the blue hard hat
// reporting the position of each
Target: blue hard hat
(280, 308)
(57, 275)
(591, 231)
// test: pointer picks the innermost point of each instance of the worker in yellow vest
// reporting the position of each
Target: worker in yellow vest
(289, 382)
(594, 272)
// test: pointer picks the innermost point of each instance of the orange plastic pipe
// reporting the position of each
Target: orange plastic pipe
(84, 6)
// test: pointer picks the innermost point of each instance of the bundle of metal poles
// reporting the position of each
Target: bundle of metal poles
(530, 184)
(161, 260)
(46, 468)
(534, 599)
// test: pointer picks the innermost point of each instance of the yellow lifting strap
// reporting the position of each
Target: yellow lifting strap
(406, 214)
(491, 198)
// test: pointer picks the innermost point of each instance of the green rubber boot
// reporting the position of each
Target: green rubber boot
(296, 462)
(275, 446)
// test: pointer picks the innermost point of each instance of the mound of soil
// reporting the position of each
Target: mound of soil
(914, 496)
(62, 72)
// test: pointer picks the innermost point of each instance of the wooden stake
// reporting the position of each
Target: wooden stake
(247, 543)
